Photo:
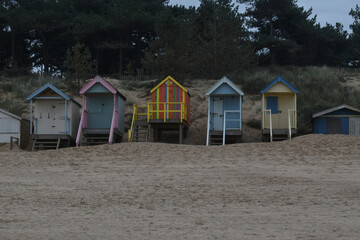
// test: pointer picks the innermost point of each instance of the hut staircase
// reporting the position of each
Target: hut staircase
(281, 134)
(46, 143)
(141, 132)
(216, 139)
(94, 139)
(140, 127)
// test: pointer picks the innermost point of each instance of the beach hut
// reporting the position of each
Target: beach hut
(14, 129)
(224, 113)
(169, 110)
(54, 118)
(102, 116)
(342, 119)
(279, 117)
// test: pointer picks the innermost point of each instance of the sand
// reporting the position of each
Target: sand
(308, 188)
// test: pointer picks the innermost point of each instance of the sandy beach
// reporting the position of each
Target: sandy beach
(307, 188)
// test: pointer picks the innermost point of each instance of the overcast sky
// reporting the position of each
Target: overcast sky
(330, 11)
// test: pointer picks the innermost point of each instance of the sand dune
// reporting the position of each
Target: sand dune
(307, 188)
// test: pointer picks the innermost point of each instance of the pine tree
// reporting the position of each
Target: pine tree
(79, 66)
(355, 36)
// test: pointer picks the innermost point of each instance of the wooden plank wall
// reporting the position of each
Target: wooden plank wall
(24, 133)
(170, 93)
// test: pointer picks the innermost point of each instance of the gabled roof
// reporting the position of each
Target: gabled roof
(282, 80)
(335, 109)
(52, 87)
(166, 79)
(48, 86)
(103, 82)
(10, 114)
(224, 79)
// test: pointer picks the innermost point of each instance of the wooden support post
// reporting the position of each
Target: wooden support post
(155, 134)
(31, 116)
(181, 128)
(66, 109)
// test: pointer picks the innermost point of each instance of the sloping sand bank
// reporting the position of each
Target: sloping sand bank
(308, 188)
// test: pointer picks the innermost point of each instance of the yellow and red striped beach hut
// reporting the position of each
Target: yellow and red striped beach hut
(170, 101)
(169, 110)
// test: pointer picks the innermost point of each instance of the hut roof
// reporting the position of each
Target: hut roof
(166, 79)
(227, 81)
(282, 80)
(52, 87)
(335, 109)
(104, 83)
(10, 114)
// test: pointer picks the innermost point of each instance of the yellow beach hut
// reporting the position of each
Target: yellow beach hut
(279, 114)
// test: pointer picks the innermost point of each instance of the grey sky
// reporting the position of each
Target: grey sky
(330, 11)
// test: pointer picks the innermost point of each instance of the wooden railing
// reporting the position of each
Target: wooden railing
(135, 118)
(267, 112)
(114, 125)
(292, 120)
(154, 110)
(35, 125)
(84, 123)
(231, 120)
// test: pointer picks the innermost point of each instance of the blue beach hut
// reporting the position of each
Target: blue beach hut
(342, 119)
(224, 113)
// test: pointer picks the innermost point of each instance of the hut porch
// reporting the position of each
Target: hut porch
(216, 137)
(50, 141)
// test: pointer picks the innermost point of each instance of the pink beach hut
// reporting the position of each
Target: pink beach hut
(102, 116)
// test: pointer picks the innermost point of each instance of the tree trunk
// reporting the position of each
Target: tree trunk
(121, 55)
(12, 58)
(97, 60)
(272, 51)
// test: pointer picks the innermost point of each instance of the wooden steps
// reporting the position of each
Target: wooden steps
(99, 136)
(94, 139)
(141, 131)
(46, 143)
(216, 139)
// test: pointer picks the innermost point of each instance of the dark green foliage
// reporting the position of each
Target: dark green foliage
(207, 42)
(171, 53)
(284, 29)
(79, 67)
(355, 37)
(153, 38)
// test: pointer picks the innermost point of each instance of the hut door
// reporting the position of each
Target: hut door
(272, 103)
(101, 111)
(46, 118)
(54, 118)
(333, 126)
(354, 126)
(218, 114)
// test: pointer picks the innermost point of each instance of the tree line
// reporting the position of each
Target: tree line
(151, 37)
